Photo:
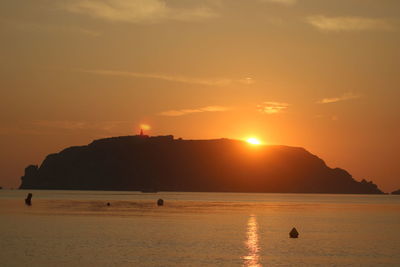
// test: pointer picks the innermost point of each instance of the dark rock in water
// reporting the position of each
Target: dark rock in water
(32, 171)
(28, 199)
(397, 192)
(162, 163)
(160, 202)
(294, 233)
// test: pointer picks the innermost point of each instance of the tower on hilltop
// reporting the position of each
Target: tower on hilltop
(141, 134)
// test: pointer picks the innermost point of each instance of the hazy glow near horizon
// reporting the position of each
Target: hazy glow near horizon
(145, 127)
(253, 141)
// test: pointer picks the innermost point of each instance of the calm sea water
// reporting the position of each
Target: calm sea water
(77, 228)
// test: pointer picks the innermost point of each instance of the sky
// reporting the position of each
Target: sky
(320, 74)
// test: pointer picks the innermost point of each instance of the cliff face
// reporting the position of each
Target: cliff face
(166, 164)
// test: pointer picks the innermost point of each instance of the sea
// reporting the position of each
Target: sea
(78, 228)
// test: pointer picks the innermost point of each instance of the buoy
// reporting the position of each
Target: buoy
(108, 204)
(160, 202)
(28, 199)
(294, 233)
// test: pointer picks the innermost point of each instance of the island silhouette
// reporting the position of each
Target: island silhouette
(397, 192)
(162, 163)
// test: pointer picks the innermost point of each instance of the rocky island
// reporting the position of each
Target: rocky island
(397, 192)
(162, 163)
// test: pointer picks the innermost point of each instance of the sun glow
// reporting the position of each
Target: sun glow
(145, 126)
(253, 141)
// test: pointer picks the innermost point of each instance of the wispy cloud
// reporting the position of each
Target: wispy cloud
(65, 125)
(329, 117)
(340, 24)
(272, 107)
(42, 27)
(81, 125)
(50, 127)
(247, 80)
(344, 97)
(170, 78)
(137, 11)
(281, 2)
(17, 130)
(181, 112)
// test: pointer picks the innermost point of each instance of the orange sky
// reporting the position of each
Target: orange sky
(323, 75)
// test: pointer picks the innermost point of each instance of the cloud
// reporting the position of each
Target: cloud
(51, 127)
(330, 117)
(247, 80)
(344, 97)
(340, 24)
(272, 107)
(170, 78)
(181, 112)
(66, 125)
(281, 2)
(17, 130)
(137, 11)
(42, 27)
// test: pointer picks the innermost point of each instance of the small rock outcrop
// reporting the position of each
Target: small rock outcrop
(160, 202)
(397, 192)
(294, 233)
(28, 199)
(31, 178)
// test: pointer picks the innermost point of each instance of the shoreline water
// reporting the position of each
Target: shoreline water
(192, 229)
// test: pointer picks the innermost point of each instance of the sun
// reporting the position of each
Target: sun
(253, 141)
(145, 126)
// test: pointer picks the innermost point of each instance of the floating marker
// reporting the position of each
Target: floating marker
(160, 202)
(28, 199)
(294, 233)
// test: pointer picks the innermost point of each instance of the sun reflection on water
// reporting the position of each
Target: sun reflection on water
(252, 258)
